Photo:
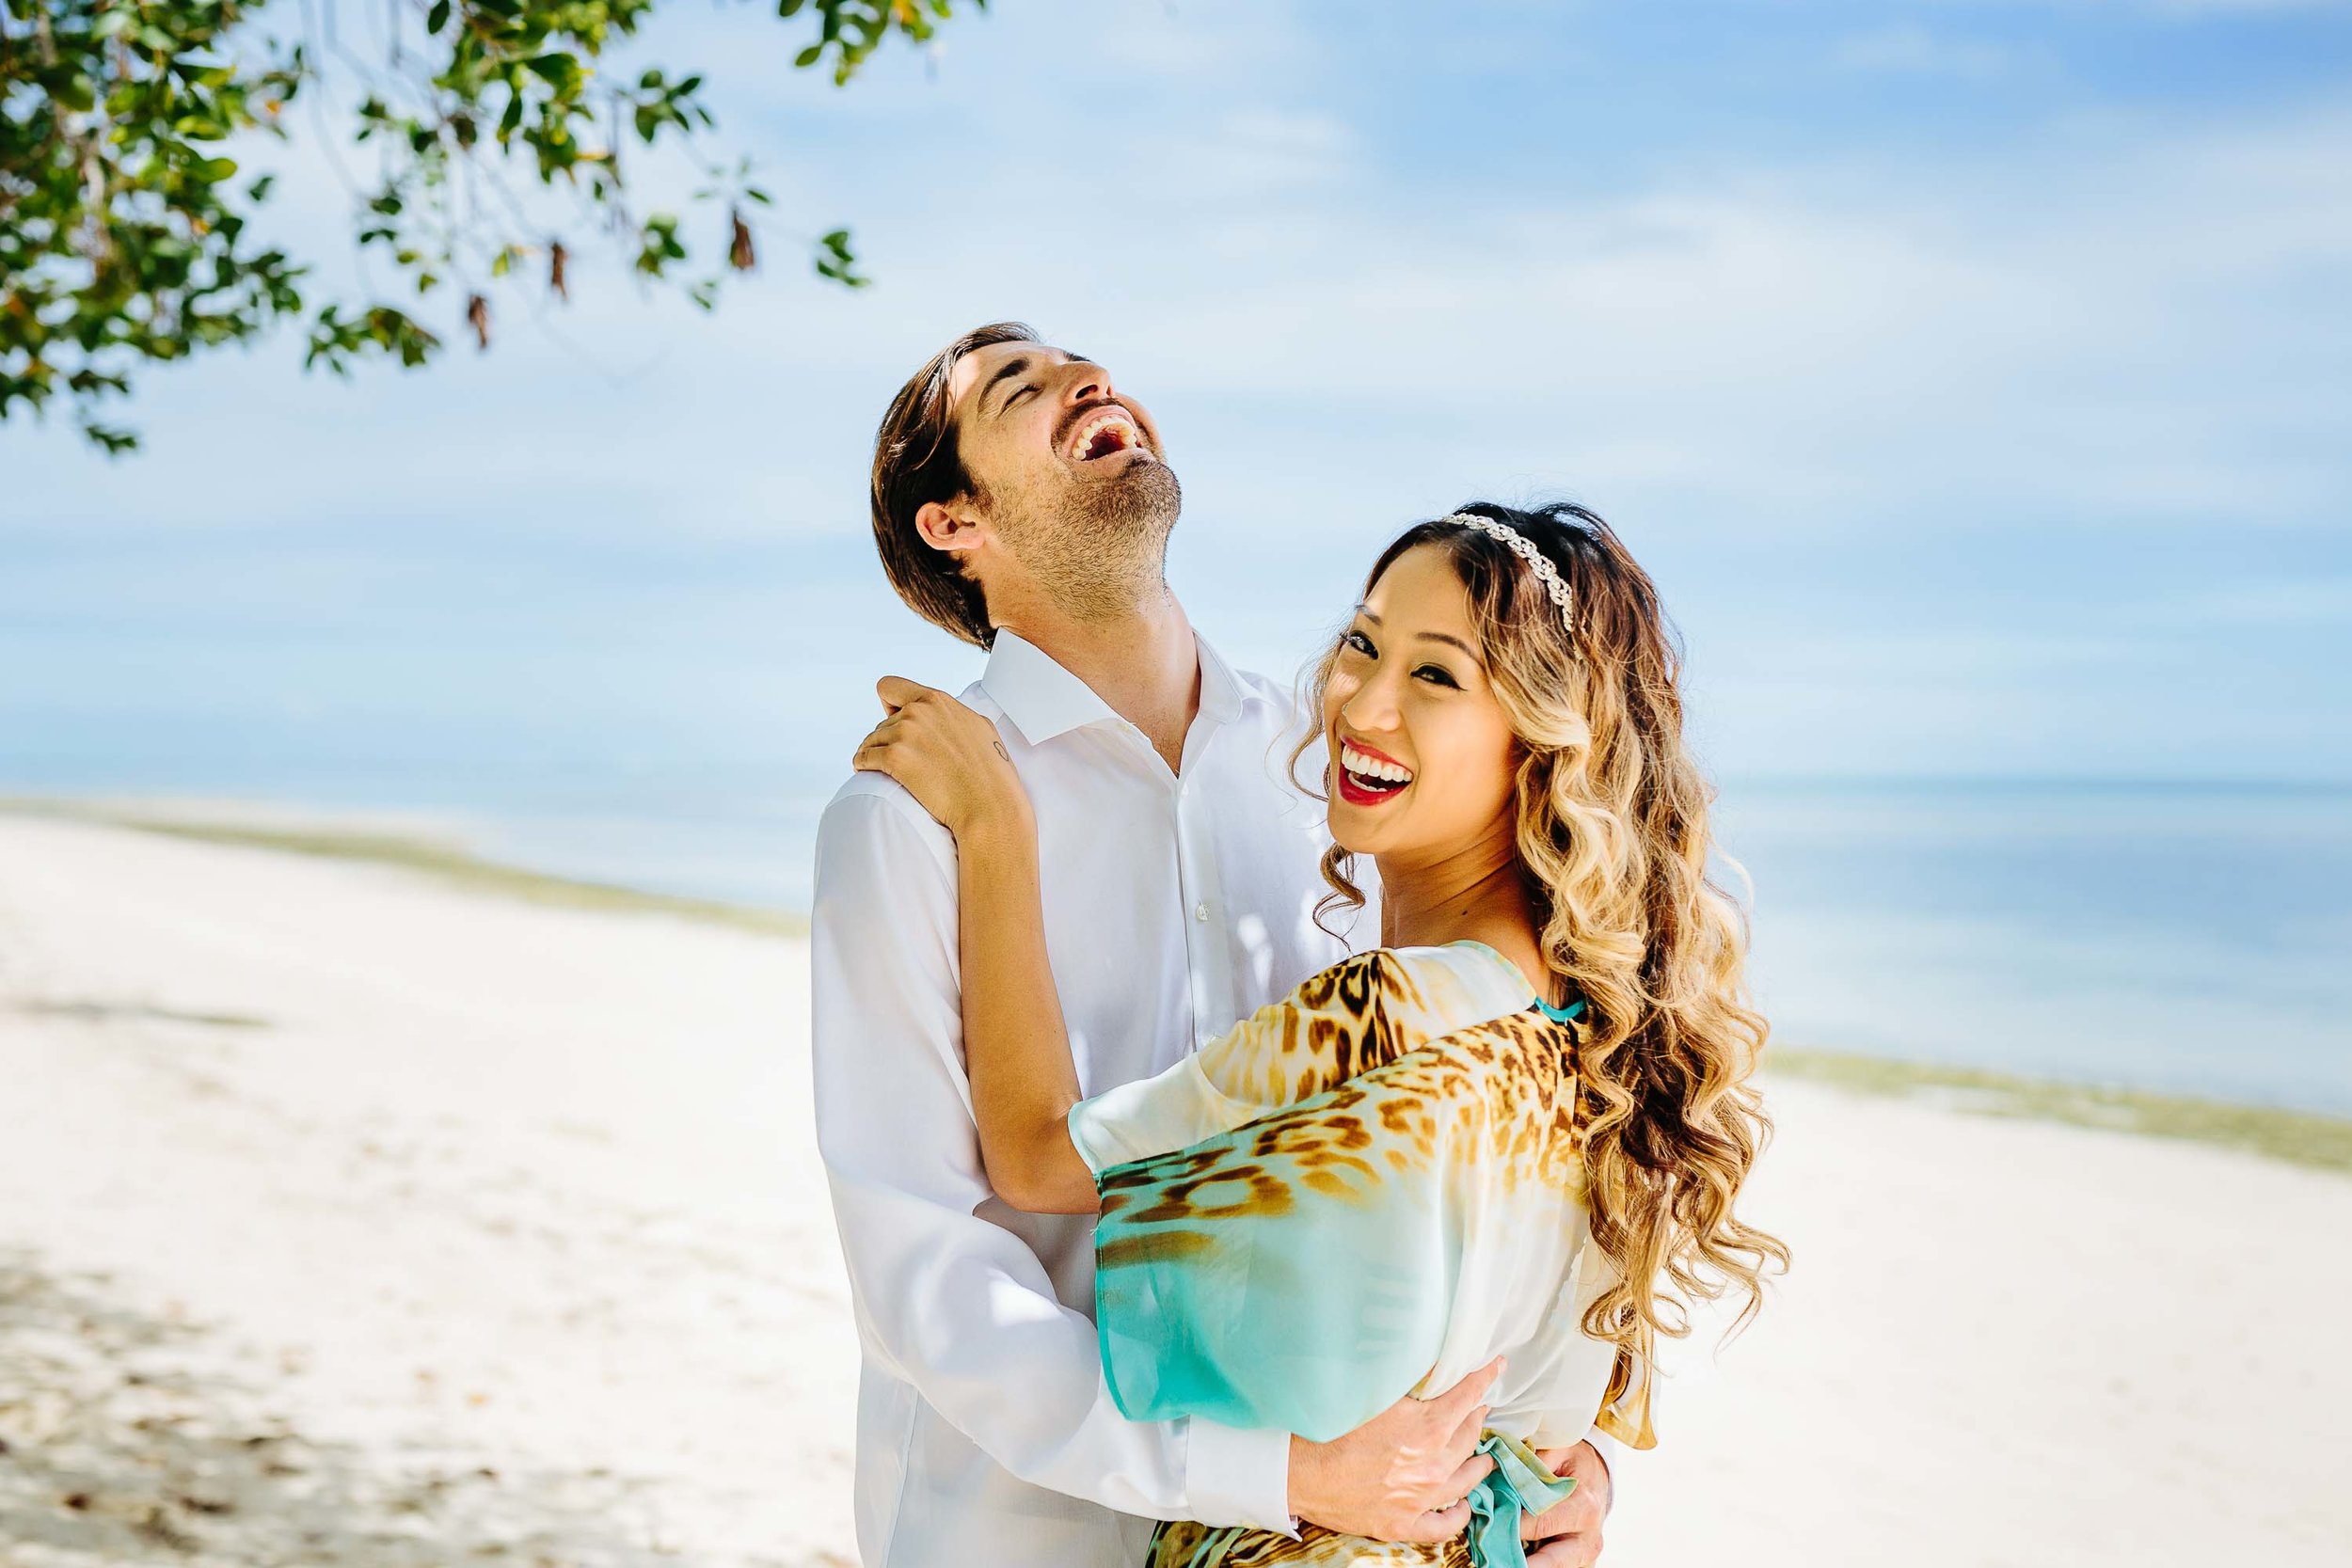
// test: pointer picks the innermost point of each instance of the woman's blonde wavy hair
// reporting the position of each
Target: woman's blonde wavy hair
(1613, 842)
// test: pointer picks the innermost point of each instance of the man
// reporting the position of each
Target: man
(1021, 503)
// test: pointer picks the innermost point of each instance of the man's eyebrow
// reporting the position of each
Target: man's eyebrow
(1017, 365)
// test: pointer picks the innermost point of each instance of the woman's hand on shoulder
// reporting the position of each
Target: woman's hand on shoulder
(949, 758)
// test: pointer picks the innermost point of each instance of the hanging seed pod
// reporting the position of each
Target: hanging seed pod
(477, 317)
(557, 256)
(739, 250)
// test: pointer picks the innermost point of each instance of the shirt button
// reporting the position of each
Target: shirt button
(1200, 911)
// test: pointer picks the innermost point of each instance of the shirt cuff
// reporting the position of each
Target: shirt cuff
(1236, 1476)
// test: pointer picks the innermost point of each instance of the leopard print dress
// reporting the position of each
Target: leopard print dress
(1369, 1188)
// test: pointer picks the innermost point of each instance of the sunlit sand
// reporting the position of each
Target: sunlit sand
(357, 1213)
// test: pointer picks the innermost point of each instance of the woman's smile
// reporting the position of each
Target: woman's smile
(1368, 777)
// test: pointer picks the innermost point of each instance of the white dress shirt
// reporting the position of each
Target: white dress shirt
(1176, 904)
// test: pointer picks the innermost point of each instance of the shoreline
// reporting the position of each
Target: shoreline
(2307, 1138)
(2314, 1140)
(445, 860)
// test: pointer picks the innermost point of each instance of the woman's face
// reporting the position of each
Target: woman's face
(1420, 754)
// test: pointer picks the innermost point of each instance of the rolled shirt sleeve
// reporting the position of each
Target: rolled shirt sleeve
(957, 1306)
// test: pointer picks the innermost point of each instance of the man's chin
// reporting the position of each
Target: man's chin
(1142, 499)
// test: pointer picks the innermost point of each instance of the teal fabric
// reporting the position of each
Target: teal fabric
(1305, 1314)
(1561, 1015)
(1519, 1483)
(1310, 1317)
(1287, 1215)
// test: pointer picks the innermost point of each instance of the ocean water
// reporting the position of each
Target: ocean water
(2192, 938)
(2195, 938)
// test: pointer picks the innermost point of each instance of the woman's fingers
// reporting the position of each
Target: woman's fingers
(873, 753)
(896, 692)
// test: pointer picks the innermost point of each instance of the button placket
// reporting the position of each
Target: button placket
(1215, 1006)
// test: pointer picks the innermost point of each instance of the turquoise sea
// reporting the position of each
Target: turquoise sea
(2186, 936)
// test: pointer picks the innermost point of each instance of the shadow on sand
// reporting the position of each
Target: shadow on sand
(129, 1439)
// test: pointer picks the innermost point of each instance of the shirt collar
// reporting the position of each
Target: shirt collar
(1044, 700)
(1220, 688)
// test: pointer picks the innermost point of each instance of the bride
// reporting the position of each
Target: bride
(1510, 1137)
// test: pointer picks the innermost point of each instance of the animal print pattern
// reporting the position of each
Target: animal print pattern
(1368, 1189)
(1181, 1543)
(1499, 1097)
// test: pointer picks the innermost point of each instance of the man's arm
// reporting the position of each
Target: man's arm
(953, 1305)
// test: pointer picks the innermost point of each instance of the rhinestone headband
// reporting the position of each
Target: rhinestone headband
(1520, 545)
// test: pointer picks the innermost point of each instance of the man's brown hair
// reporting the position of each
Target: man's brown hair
(915, 462)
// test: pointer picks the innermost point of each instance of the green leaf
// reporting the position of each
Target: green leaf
(559, 71)
(127, 243)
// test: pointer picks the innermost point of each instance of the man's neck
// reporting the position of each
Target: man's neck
(1143, 663)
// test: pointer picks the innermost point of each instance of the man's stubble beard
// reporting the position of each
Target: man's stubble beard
(1102, 550)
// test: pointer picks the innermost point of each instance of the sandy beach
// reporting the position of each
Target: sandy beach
(349, 1214)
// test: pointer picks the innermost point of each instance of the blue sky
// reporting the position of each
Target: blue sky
(1976, 378)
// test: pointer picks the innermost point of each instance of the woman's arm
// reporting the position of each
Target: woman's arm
(1016, 1046)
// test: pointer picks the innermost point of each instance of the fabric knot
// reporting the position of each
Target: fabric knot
(1520, 1483)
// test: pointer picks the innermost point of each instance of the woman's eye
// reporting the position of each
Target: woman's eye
(1437, 675)
(1357, 641)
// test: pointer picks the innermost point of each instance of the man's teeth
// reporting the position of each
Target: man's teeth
(1107, 419)
(1365, 767)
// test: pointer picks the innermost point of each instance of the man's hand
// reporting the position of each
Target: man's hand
(1570, 1531)
(1402, 1475)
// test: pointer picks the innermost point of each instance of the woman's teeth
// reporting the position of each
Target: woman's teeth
(1372, 772)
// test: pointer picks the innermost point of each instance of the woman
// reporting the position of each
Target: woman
(1514, 1129)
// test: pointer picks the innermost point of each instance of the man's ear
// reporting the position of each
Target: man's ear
(950, 526)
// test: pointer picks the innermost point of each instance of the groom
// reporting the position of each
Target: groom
(1022, 503)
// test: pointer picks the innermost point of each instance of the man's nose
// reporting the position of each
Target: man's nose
(1088, 382)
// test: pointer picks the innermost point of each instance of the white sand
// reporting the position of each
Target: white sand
(347, 1217)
